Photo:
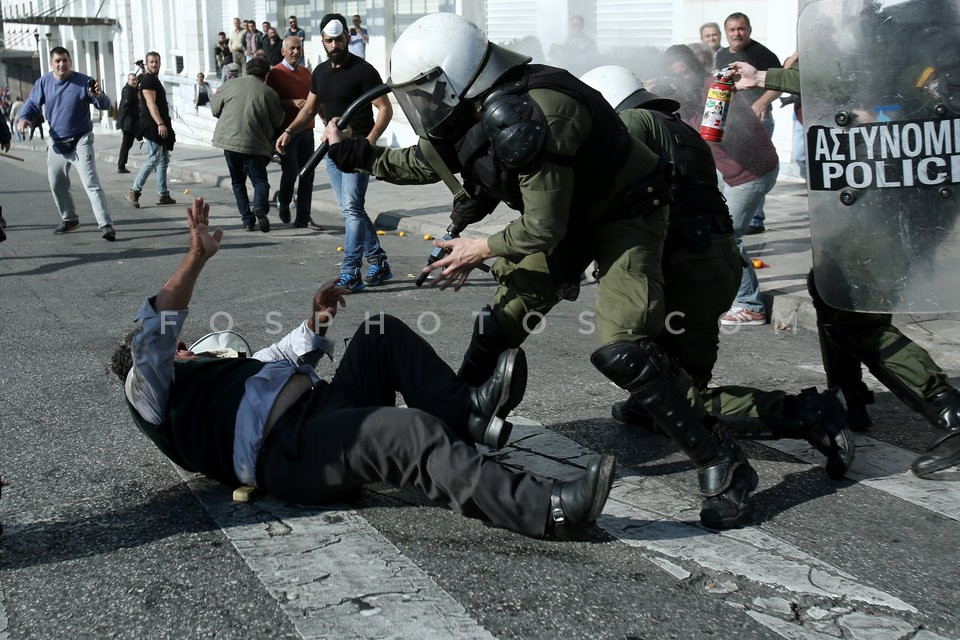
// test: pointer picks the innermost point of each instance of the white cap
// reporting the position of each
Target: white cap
(333, 28)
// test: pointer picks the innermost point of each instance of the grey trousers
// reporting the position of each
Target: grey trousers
(84, 160)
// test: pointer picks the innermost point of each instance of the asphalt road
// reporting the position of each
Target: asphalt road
(103, 537)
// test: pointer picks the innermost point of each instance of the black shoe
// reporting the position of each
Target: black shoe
(492, 402)
(249, 227)
(631, 413)
(66, 227)
(263, 223)
(123, 170)
(284, 213)
(3, 234)
(3, 222)
(728, 509)
(108, 233)
(826, 417)
(942, 454)
(309, 224)
(575, 503)
(752, 231)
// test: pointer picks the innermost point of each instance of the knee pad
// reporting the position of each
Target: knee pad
(632, 364)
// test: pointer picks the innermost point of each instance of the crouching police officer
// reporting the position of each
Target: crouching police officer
(702, 268)
(550, 147)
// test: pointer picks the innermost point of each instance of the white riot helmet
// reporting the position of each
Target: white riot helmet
(439, 63)
(623, 90)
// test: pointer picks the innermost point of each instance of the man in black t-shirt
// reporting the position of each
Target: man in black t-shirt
(745, 49)
(336, 83)
(154, 126)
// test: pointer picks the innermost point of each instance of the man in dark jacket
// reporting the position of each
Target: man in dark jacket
(268, 421)
(127, 113)
(248, 113)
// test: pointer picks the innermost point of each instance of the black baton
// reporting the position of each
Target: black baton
(343, 123)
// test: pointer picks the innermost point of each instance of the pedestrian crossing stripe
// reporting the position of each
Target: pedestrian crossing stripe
(335, 576)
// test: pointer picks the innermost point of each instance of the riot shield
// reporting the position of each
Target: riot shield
(880, 83)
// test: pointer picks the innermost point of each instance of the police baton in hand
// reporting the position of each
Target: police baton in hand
(343, 123)
(453, 231)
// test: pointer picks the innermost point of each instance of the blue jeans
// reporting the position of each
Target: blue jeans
(158, 157)
(760, 215)
(799, 153)
(743, 201)
(361, 236)
(241, 166)
(298, 152)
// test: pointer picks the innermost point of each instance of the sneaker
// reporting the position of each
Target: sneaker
(752, 230)
(350, 281)
(284, 213)
(133, 197)
(743, 317)
(166, 199)
(378, 274)
(108, 233)
(123, 170)
(263, 223)
(309, 224)
(249, 227)
(66, 227)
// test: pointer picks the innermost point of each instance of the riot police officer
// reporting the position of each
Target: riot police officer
(872, 100)
(541, 141)
(702, 269)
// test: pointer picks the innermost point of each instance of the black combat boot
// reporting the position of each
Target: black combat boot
(652, 378)
(575, 503)
(486, 345)
(492, 402)
(631, 413)
(944, 452)
(857, 398)
(818, 418)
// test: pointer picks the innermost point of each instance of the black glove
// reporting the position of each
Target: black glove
(354, 154)
(474, 209)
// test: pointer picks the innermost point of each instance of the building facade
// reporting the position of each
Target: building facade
(107, 37)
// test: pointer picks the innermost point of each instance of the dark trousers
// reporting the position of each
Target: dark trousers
(849, 338)
(298, 152)
(348, 433)
(241, 166)
(125, 147)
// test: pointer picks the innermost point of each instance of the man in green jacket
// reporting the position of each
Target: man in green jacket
(850, 339)
(541, 141)
(248, 113)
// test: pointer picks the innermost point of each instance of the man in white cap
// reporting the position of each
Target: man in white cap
(336, 83)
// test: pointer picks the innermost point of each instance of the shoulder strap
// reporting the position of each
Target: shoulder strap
(436, 162)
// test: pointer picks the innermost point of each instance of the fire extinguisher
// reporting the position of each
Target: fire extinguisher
(715, 110)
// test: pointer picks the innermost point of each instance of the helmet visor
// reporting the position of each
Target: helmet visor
(428, 101)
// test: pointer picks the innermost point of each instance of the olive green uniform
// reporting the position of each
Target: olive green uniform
(849, 338)
(628, 250)
(699, 286)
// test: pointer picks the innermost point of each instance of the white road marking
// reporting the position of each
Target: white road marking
(335, 576)
(886, 467)
(4, 622)
(643, 511)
